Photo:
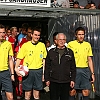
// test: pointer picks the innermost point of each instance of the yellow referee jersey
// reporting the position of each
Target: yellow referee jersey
(33, 55)
(81, 52)
(5, 51)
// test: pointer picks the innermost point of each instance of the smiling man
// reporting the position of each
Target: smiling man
(59, 63)
(34, 54)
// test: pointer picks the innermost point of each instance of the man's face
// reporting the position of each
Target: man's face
(24, 31)
(61, 40)
(14, 32)
(76, 6)
(8, 32)
(29, 32)
(35, 36)
(93, 6)
(2, 34)
(80, 36)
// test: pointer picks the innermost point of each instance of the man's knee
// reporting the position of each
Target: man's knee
(27, 95)
(36, 94)
(85, 92)
(72, 92)
(9, 96)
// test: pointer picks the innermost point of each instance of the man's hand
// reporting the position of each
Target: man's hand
(12, 78)
(93, 78)
(48, 83)
(72, 84)
(17, 71)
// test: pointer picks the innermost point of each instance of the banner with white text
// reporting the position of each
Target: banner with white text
(41, 3)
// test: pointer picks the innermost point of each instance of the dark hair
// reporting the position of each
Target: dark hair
(55, 33)
(87, 6)
(36, 29)
(79, 29)
(2, 26)
(30, 28)
(92, 2)
(25, 26)
(99, 6)
(47, 41)
(76, 2)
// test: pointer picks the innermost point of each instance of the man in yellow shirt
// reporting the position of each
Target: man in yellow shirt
(83, 58)
(6, 65)
(34, 54)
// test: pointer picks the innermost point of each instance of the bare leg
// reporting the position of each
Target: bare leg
(85, 94)
(72, 94)
(9, 96)
(27, 95)
(36, 94)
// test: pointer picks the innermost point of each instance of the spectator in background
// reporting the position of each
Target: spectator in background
(21, 35)
(76, 4)
(26, 38)
(88, 6)
(97, 2)
(55, 4)
(19, 30)
(7, 32)
(12, 37)
(47, 44)
(93, 6)
(82, 3)
(60, 3)
(23, 32)
(99, 6)
(54, 41)
(65, 4)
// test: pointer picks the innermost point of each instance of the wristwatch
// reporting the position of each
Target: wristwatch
(93, 73)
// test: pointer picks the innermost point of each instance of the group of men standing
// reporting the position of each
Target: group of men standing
(64, 69)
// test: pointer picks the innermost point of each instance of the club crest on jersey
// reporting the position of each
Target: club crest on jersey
(41, 56)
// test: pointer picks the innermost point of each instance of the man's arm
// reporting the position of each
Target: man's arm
(47, 70)
(91, 68)
(43, 65)
(73, 71)
(11, 66)
(16, 67)
(43, 69)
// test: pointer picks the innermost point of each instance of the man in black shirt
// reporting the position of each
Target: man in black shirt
(59, 66)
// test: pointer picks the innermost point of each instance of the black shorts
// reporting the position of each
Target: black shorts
(33, 80)
(5, 81)
(83, 78)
